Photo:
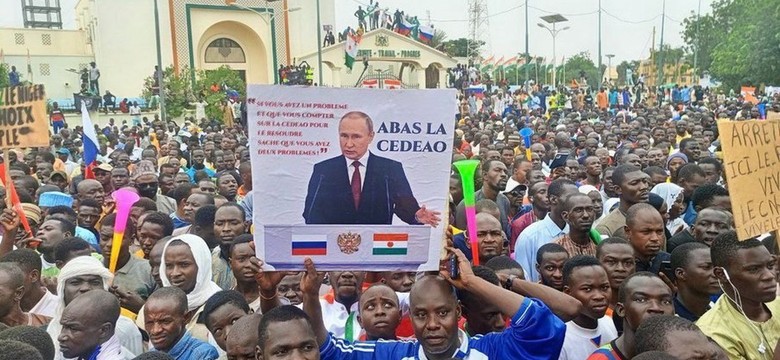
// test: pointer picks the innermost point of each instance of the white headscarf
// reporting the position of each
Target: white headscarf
(587, 189)
(204, 286)
(78, 266)
(668, 191)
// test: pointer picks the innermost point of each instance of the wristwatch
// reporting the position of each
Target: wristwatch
(508, 282)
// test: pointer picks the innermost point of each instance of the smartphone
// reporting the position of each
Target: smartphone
(666, 268)
(454, 266)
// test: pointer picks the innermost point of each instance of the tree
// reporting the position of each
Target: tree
(459, 48)
(220, 79)
(739, 42)
(178, 91)
(438, 40)
(579, 65)
(623, 66)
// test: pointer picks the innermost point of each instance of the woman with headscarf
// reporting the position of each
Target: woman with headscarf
(78, 276)
(674, 163)
(186, 264)
(673, 199)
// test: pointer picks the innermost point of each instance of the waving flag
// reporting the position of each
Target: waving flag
(90, 140)
(405, 28)
(425, 34)
(351, 48)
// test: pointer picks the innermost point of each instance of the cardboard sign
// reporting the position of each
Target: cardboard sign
(350, 177)
(23, 118)
(751, 158)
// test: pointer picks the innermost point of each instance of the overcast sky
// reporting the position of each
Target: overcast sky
(627, 25)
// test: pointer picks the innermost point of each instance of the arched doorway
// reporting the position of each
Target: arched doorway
(238, 46)
(432, 76)
(226, 51)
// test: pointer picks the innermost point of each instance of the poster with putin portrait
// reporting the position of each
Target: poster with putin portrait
(354, 178)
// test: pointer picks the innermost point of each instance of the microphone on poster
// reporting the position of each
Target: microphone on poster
(314, 197)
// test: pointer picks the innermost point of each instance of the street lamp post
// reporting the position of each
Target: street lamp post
(263, 15)
(159, 72)
(319, 44)
(553, 19)
(609, 66)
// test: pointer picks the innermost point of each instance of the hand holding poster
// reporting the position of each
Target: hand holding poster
(751, 158)
(355, 178)
(23, 118)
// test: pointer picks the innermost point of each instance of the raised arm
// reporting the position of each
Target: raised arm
(563, 306)
(506, 301)
(10, 222)
(310, 286)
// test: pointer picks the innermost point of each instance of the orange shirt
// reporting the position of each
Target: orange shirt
(601, 99)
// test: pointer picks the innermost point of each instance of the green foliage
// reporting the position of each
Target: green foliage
(460, 48)
(739, 43)
(621, 70)
(580, 64)
(219, 77)
(178, 91)
(4, 70)
(438, 40)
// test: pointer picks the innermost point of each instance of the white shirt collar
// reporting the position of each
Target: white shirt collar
(363, 160)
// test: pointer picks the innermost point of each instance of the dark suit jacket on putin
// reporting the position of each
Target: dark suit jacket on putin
(385, 192)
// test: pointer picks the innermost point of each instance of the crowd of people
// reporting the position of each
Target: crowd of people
(612, 221)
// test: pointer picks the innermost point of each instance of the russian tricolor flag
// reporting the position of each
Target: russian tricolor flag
(405, 27)
(90, 140)
(308, 245)
(425, 34)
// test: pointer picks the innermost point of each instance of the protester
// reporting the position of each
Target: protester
(165, 319)
(443, 338)
(244, 339)
(88, 324)
(743, 320)
(587, 281)
(675, 336)
(549, 264)
(641, 296)
(695, 280)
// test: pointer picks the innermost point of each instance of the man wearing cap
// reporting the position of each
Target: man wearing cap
(63, 155)
(103, 175)
(59, 179)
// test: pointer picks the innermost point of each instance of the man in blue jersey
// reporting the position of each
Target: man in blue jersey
(435, 313)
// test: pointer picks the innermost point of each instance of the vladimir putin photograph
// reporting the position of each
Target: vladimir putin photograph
(360, 187)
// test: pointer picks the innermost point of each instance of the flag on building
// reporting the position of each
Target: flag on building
(405, 28)
(351, 48)
(390, 243)
(425, 34)
(308, 245)
(391, 84)
(90, 140)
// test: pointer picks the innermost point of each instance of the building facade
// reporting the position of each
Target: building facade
(253, 37)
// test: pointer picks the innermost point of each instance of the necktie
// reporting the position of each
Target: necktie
(356, 184)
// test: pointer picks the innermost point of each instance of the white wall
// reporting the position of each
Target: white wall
(124, 42)
(303, 25)
(57, 78)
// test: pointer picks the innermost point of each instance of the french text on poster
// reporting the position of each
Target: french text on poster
(354, 178)
(751, 157)
(23, 118)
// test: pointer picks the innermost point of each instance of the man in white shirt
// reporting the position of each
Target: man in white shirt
(94, 75)
(586, 280)
(36, 299)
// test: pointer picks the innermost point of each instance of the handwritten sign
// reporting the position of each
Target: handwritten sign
(23, 118)
(350, 177)
(751, 155)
